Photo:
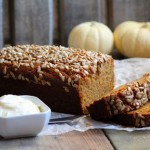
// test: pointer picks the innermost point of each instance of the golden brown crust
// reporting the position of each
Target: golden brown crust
(68, 64)
(125, 98)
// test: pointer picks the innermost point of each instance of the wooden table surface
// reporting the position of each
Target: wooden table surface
(95, 139)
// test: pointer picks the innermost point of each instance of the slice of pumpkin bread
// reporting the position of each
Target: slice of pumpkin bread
(137, 118)
(125, 98)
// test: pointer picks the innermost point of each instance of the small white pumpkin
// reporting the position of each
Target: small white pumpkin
(92, 36)
(132, 39)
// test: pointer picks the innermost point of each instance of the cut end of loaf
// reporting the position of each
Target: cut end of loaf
(94, 87)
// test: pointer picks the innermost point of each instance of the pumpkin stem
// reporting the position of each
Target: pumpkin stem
(92, 23)
(144, 25)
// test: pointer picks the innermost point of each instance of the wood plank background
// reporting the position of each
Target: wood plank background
(1, 23)
(123, 10)
(50, 21)
(32, 22)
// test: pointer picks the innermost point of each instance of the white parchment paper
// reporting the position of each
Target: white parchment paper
(125, 71)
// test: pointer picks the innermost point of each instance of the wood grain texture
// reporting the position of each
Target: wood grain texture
(33, 21)
(89, 140)
(56, 22)
(1, 23)
(6, 15)
(78, 11)
(123, 10)
(122, 140)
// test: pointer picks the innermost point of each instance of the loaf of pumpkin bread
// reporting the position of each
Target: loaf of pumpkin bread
(66, 79)
(137, 118)
(125, 98)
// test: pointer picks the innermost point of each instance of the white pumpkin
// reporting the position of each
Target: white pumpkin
(92, 36)
(132, 39)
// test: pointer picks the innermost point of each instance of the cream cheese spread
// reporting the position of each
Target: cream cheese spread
(12, 105)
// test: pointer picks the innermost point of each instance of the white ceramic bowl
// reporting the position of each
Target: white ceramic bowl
(25, 125)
